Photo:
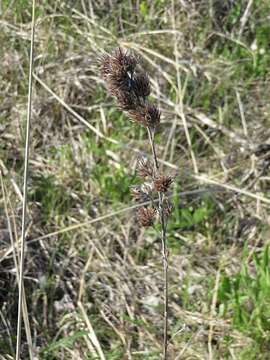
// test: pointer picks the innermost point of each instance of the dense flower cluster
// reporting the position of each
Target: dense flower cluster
(146, 216)
(148, 191)
(162, 183)
(130, 85)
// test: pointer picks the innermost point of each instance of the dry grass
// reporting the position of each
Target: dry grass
(93, 279)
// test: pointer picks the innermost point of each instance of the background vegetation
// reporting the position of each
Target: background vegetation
(93, 279)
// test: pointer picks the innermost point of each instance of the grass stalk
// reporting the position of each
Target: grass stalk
(164, 246)
(16, 262)
(25, 181)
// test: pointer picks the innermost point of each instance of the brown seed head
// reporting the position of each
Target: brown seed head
(162, 183)
(127, 101)
(145, 168)
(119, 63)
(141, 85)
(116, 85)
(146, 216)
(147, 116)
(152, 115)
(138, 194)
(117, 70)
(129, 83)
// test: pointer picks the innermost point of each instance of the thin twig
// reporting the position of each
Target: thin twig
(164, 246)
(26, 161)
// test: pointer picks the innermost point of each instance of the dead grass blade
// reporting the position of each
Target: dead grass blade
(16, 264)
(26, 161)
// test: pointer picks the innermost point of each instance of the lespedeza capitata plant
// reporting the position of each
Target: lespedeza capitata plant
(127, 81)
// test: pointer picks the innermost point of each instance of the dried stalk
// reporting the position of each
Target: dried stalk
(129, 84)
(26, 161)
(164, 246)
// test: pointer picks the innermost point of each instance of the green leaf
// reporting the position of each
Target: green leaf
(144, 9)
(200, 215)
(65, 342)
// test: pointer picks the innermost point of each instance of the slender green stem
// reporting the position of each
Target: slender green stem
(164, 247)
(26, 161)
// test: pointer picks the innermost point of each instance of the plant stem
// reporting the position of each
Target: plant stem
(25, 179)
(164, 246)
(165, 271)
(152, 143)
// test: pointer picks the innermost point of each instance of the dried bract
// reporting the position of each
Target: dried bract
(147, 188)
(152, 115)
(167, 208)
(148, 116)
(118, 64)
(118, 84)
(145, 168)
(117, 70)
(162, 183)
(141, 85)
(127, 101)
(139, 194)
(146, 216)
